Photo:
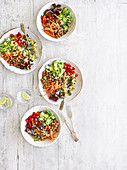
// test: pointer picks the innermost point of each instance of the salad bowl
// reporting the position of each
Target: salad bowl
(39, 47)
(28, 138)
(78, 85)
(40, 27)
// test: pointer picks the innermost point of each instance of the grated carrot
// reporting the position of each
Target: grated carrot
(51, 88)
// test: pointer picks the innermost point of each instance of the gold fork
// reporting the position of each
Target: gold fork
(73, 134)
(69, 114)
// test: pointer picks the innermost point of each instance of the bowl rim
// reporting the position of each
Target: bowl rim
(42, 141)
(49, 38)
(67, 61)
(42, 48)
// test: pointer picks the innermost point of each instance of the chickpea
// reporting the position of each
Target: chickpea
(44, 87)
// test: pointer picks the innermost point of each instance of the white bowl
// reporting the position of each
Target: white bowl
(78, 85)
(28, 138)
(39, 51)
(40, 27)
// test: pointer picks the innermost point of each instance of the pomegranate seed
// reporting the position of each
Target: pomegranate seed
(12, 35)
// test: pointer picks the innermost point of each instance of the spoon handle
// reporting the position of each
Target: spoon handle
(61, 105)
(23, 28)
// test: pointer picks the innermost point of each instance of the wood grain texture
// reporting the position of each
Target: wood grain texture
(99, 47)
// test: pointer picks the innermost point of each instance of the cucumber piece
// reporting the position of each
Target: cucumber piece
(48, 121)
(65, 27)
(65, 11)
(48, 67)
(52, 117)
(65, 20)
(43, 115)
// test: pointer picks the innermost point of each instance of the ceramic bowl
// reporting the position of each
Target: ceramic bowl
(28, 138)
(40, 27)
(39, 51)
(78, 85)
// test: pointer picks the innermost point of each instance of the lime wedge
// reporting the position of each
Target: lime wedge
(3, 100)
(9, 102)
(25, 96)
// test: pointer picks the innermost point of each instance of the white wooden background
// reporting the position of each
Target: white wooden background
(99, 47)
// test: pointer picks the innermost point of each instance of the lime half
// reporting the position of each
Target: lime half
(3, 100)
(25, 96)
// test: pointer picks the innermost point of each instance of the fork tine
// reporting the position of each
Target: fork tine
(68, 109)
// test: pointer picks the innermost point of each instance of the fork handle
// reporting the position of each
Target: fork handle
(73, 134)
